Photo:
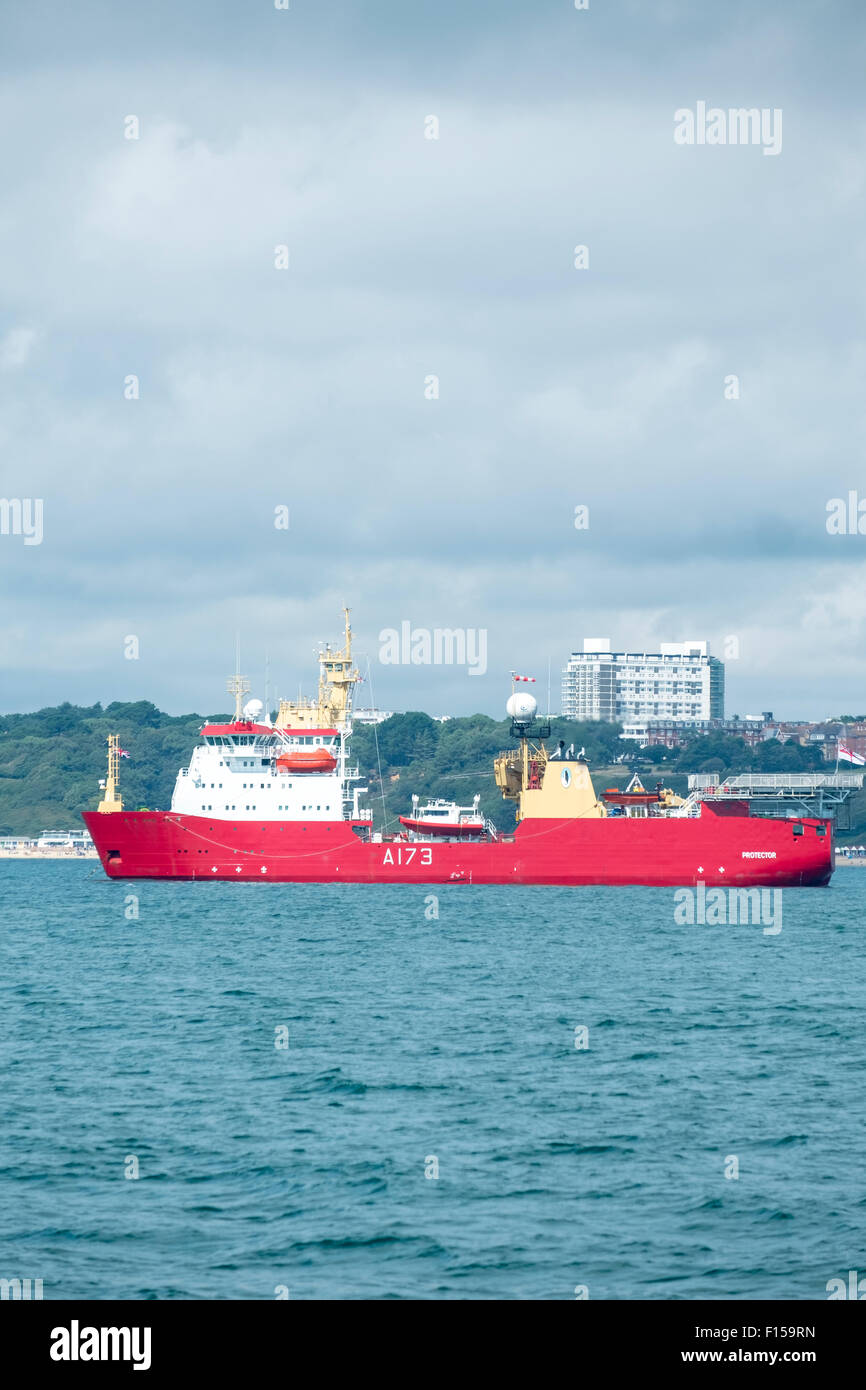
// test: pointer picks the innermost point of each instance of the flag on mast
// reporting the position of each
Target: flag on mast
(849, 756)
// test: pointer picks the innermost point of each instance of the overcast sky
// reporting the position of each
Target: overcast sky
(412, 257)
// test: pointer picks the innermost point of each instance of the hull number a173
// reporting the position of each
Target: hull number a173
(405, 855)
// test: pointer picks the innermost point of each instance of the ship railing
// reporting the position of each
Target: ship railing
(796, 781)
(773, 781)
(490, 829)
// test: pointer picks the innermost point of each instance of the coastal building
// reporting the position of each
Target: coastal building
(64, 839)
(679, 682)
(371, 716)
(676, 733)
(754, 729)
(52, 844)
(827, 735)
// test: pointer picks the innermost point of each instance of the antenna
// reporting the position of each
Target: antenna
(237, 684)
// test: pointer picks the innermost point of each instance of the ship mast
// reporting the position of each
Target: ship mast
(333, 706)
(238, 686)
(112, 800)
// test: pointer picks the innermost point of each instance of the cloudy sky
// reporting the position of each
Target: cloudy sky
(412, 257)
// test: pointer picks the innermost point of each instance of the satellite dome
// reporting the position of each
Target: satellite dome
(253, 710)
(522, 707)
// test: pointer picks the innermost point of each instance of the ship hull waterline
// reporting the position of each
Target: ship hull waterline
(724, 851)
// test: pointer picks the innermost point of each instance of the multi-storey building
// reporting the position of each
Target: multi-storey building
(681, 681)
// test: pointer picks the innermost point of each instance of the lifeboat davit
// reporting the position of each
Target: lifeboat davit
(614, 797)
(306, 760)
(635, 794)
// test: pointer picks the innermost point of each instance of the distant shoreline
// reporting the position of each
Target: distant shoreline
(48, 854)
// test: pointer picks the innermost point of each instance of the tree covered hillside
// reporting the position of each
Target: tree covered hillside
(51, 761)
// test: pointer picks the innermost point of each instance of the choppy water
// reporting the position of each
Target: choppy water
(412, 1038)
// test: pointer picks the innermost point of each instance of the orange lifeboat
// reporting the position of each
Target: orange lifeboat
(307, 760)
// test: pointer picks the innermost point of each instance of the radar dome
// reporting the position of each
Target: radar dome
(522, 707)
(253, 710)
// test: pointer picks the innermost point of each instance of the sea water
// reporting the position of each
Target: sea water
(258, 1091)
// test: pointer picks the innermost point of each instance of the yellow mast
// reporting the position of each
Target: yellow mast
(333, 706)
(544, 787)
(112, 800)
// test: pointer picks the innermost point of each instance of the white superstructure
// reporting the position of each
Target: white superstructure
(251, 771)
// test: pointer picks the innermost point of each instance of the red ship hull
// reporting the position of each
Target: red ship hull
(725, 850)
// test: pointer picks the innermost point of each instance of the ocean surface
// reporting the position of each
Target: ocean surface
(417, 1043)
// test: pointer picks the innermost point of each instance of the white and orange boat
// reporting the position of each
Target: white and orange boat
(445, 818)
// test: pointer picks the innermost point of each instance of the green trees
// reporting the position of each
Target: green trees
(51, 761)
(715, 752)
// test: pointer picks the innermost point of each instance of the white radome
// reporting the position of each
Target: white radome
(253, 710)
(521, 707)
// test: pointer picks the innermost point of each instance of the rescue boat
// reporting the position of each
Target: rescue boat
(445, 818)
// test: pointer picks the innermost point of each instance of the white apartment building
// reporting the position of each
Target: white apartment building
(679, 681)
